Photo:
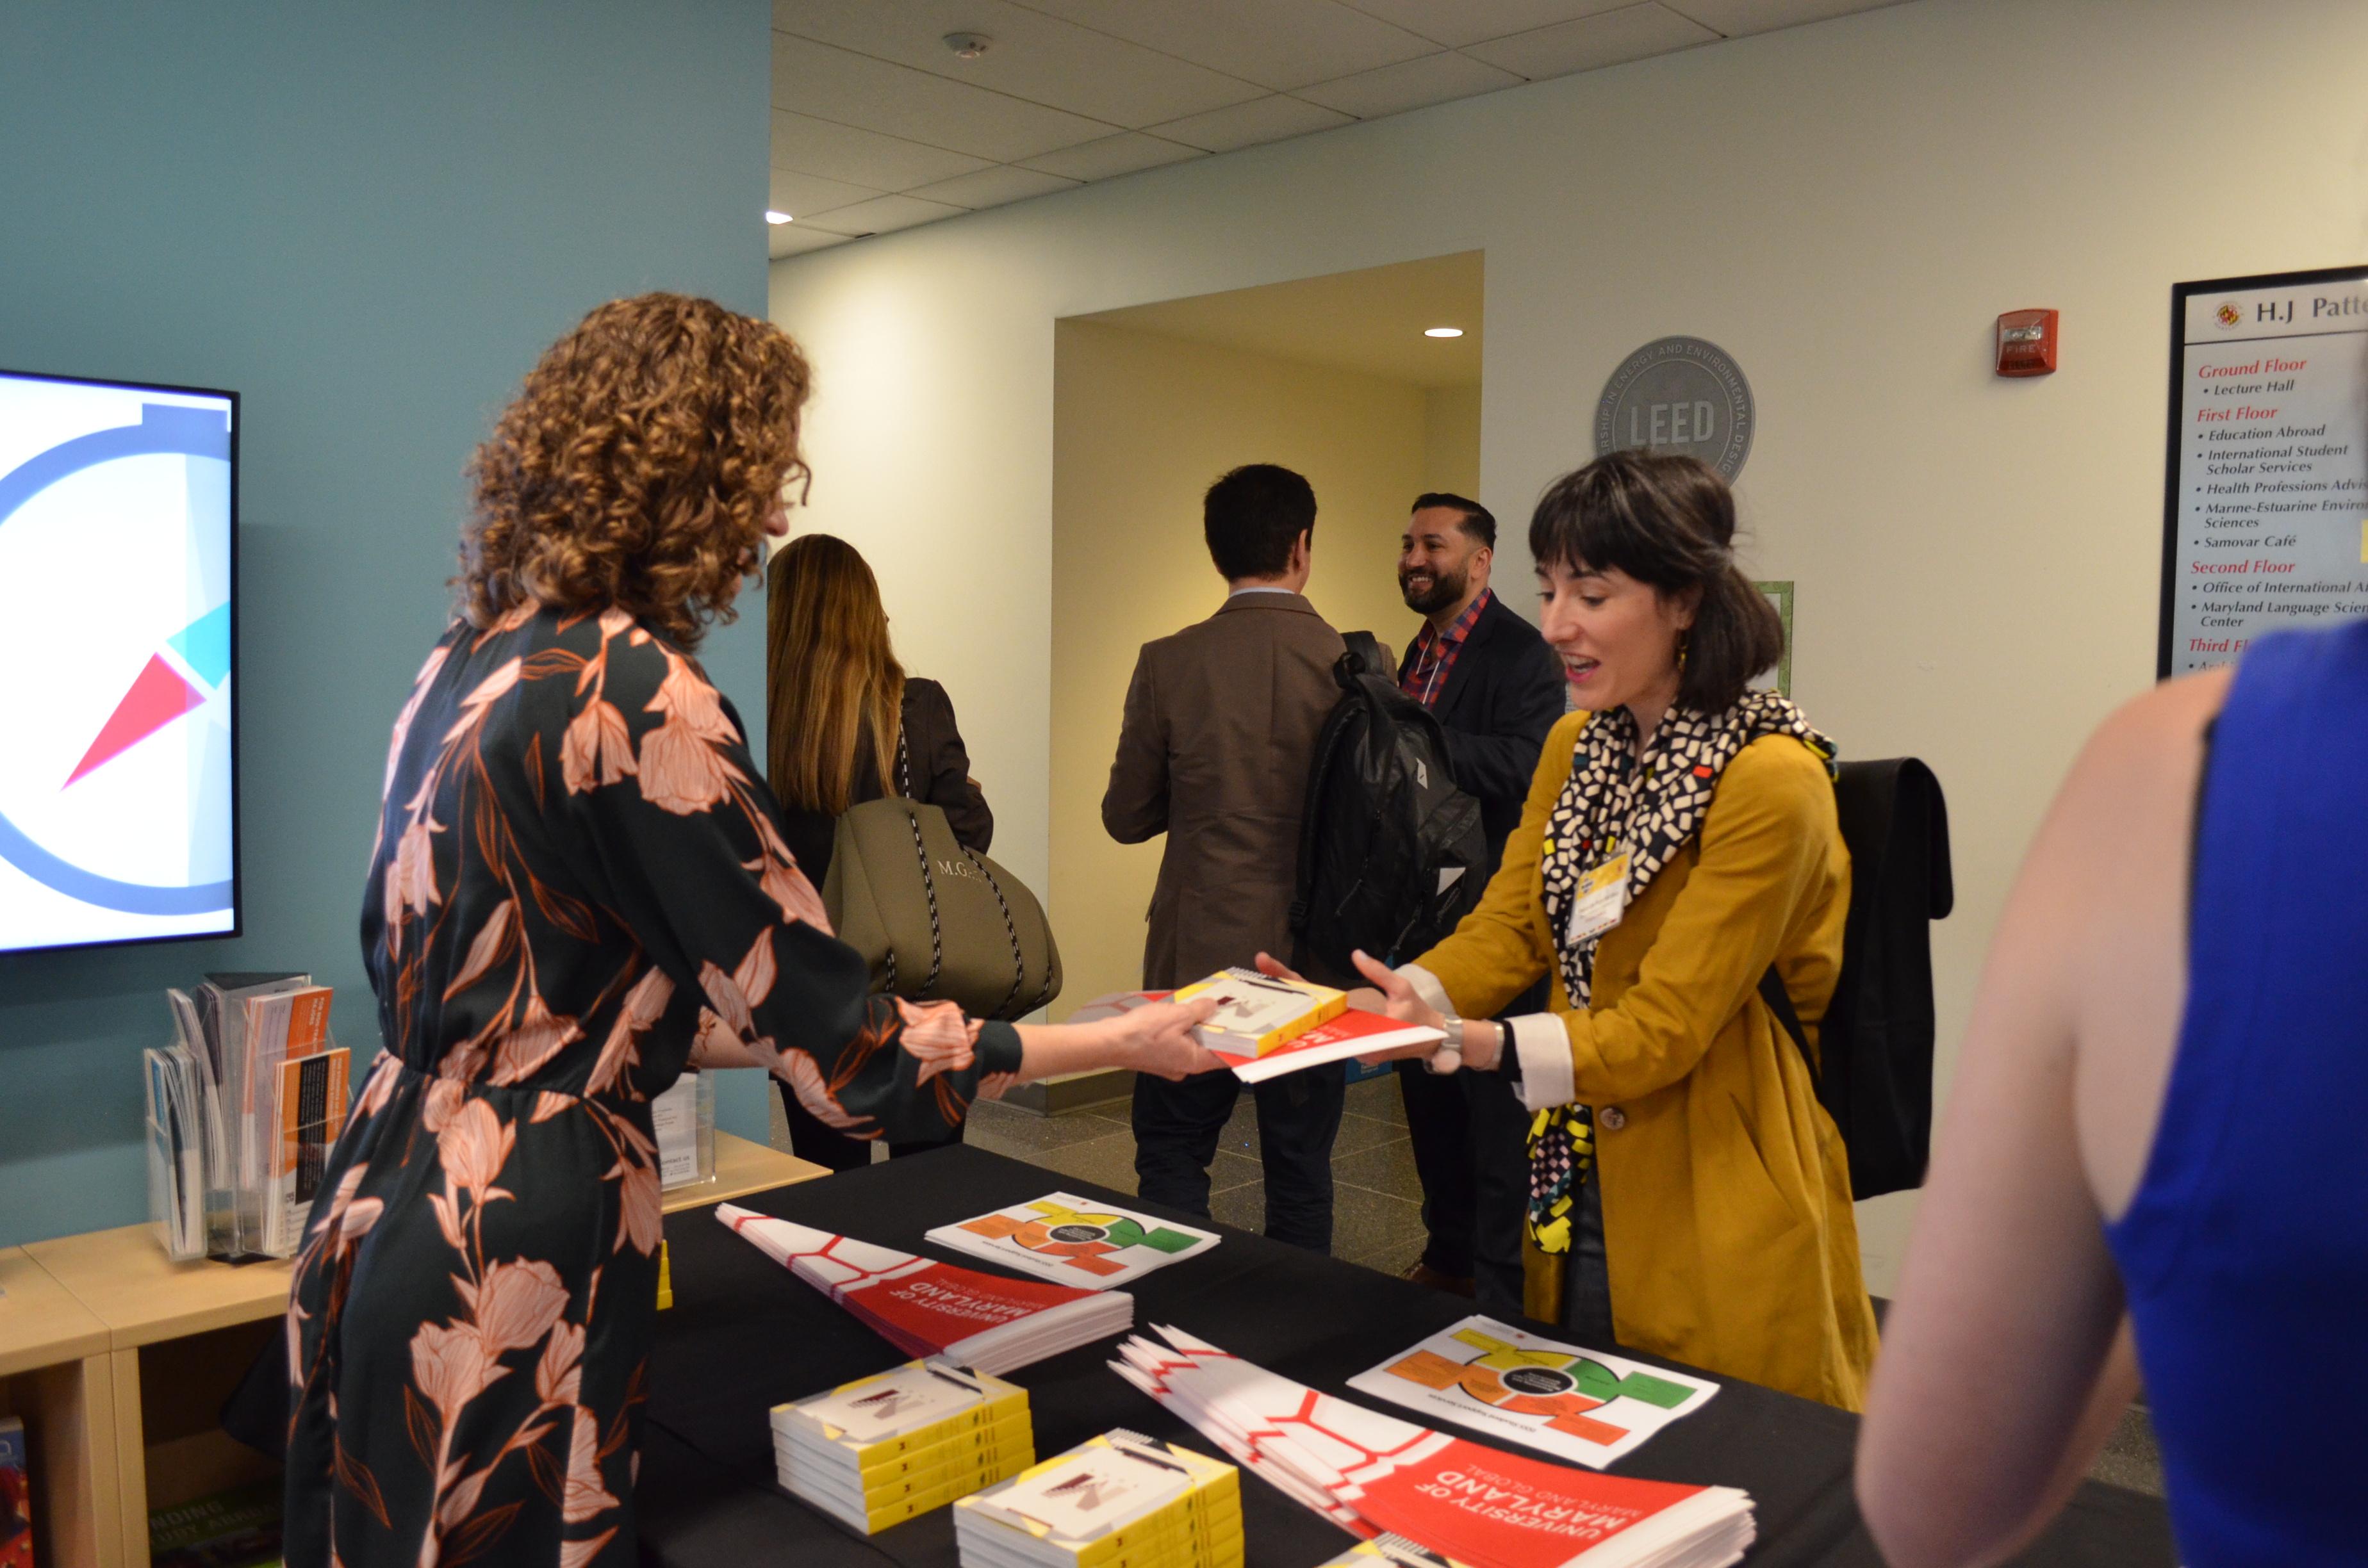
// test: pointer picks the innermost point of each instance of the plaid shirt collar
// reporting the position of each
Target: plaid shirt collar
(1435, 653)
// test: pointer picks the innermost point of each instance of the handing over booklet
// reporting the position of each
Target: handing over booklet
(1272, 1027)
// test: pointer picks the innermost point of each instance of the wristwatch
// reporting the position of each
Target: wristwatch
(1448, 1057)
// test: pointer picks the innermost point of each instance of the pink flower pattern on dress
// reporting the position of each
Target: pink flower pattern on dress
(577, 882)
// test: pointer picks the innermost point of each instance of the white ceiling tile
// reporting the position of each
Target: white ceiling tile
(1034, 56)
(1410, 83)
(879, 215)
(1280, 44)
(824, 147)
(795, 193)
(992, 187)
(1458, 22)
(1269, 118)
(796, 239)
(1736, 18)
(1614, 38)
(1120, 154)
(855, 89)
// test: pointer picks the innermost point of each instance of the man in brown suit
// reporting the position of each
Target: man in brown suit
(1221, 725)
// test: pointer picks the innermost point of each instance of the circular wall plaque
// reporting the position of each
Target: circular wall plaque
(1678, 395)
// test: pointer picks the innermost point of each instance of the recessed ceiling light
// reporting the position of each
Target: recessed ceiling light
(773, 215)
(1442, 332)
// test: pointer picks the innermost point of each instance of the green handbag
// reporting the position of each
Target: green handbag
(936, 921)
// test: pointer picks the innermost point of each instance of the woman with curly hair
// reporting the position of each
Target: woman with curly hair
(579, 887)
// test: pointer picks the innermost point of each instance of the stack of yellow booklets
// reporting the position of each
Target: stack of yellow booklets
(1121, 1500)
(883, 1449)
(1257, 1013)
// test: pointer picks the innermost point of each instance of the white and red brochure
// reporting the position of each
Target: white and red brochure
(1354, 1033)
(1589, 1406)
(1477, 1505)
(924, 1308)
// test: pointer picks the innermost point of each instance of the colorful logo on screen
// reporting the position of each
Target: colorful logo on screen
(185, 669)
(1552, 1385)
(1080, 1240)
(176, 679)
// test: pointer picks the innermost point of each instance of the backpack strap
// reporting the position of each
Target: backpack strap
(1364, 657)
(1779, 1002)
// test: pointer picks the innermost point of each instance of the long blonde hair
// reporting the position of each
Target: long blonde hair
(832, 681)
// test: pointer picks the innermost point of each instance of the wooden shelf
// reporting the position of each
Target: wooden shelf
(743, 1167)
(56, 1377)
(118, 1360)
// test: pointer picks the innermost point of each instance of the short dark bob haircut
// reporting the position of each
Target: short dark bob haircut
(1253, 515)
(1668, 520)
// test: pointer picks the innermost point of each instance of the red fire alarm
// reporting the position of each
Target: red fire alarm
(2026, 343)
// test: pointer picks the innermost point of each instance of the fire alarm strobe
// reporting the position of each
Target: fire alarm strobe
(2026, 343)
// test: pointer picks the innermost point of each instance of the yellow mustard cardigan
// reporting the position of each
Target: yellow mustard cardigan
(1727, 1225)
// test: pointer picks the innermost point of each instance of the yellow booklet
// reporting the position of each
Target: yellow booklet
(1258, 1012)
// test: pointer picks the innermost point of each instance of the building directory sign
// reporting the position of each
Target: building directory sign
(2265, 523)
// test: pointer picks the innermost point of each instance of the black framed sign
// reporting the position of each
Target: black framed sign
(2265, 516)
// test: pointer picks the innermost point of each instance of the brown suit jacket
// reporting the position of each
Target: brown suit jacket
(1221, 726)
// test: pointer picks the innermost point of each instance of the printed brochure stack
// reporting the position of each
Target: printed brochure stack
(1121, 1500)
(925, 1308)
(883, 1449)
(1373, 1473)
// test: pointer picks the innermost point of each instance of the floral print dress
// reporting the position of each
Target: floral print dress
(578, 875)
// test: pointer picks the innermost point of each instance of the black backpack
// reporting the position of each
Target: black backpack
(1876, 1040)
(1391, 853)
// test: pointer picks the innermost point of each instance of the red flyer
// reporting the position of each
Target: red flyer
(986, 1322)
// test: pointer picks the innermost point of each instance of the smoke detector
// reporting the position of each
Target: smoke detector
(968, 46)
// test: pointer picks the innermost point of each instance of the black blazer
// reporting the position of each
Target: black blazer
(940, 777)
(1505, 692)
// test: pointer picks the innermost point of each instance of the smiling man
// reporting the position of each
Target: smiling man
(1496, 688)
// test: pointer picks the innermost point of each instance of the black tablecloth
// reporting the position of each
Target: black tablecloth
(744, 1335)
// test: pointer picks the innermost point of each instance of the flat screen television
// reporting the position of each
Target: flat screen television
(119, 741)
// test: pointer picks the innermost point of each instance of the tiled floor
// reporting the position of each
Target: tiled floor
(1377, 1203)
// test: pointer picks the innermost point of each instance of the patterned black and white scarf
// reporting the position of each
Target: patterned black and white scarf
(1651, 806)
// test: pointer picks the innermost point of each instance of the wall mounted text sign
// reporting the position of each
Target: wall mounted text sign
(1678, 395)
(2265, 519)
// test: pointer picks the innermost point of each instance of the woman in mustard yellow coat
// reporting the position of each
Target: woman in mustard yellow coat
(1688, 1196)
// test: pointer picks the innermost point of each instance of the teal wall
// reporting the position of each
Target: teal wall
(368, 220)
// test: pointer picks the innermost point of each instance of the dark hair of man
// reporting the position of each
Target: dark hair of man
(1668, 520)
(1252, 516)
(1478, 521)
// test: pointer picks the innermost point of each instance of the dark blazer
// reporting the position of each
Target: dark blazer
(1506, 691)
(940, 777)
(1221, 725)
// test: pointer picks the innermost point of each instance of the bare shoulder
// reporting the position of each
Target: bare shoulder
(2149, 749)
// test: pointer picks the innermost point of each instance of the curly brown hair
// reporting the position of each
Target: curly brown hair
(637, 466)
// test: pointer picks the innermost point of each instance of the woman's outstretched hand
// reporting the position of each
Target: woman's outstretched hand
(1158, 1038)
(1389, 995)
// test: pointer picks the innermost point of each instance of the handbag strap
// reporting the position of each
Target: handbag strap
(904, 765)
(937, 932)
(1010, 933)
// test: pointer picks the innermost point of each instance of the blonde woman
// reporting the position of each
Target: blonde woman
(846, 724)
(579, 886)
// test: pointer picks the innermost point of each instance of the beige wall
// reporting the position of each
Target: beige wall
(1141, 425)
(1451, 449)
(1845, 208)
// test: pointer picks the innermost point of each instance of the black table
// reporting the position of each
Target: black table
(745, 1335)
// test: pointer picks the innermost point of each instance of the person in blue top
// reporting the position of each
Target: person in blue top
(2155, 1156)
